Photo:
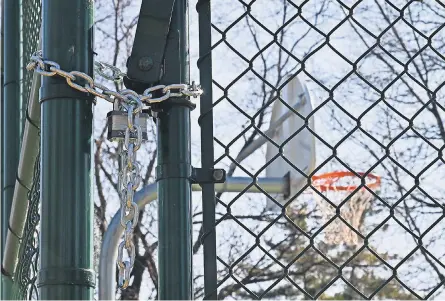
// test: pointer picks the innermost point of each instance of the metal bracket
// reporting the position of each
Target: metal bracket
(205, 176)
(196, 175)
(67, 276)
(148, 56)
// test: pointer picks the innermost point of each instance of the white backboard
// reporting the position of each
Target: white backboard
(300, 150)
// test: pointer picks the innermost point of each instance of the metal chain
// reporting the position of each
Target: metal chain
(132, 103)
(129, 181)
(116, 74)
(50, 68)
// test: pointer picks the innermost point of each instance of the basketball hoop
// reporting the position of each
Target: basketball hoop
(336, 187)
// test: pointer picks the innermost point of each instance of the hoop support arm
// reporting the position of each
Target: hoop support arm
(143, 197)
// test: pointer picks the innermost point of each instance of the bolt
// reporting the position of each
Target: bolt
(218, 174)
(145, 63)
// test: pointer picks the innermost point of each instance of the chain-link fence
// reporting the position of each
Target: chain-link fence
(31, 22)
(375, 73)
(25, 286)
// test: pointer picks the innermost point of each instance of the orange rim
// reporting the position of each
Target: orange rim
(327, 181)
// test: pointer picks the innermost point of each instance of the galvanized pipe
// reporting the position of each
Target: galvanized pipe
(25, 173)
(111, 239)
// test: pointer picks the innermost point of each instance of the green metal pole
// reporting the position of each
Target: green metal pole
(66, 156)
(3, 239)
(173, 174)
(11, 113)
(207, 150)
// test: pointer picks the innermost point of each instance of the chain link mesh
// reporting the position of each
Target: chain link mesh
(28, 264)
(31, 22)
(375, 69)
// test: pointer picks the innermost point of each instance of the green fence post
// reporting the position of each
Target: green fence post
(11, 117)
(207, 150)
(1, 146)
(66, 155)
(2, 225)
(173, 172)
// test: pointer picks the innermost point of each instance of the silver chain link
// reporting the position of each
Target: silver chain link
(116, 74)
(42, 66)
(132, 103)
(129, 181)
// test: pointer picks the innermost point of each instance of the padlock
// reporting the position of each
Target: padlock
(118, 123)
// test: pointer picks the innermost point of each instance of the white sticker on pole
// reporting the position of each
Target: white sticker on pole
(300, 150)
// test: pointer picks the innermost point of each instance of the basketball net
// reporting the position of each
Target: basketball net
(336, 187)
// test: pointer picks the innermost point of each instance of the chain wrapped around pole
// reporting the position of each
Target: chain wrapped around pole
(50, 68)
(132, 104)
